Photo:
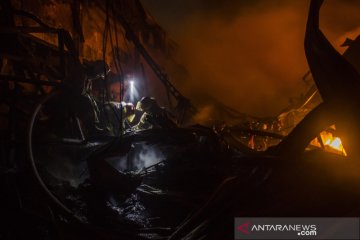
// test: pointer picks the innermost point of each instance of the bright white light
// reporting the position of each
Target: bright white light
(133, 93)
(132, 89)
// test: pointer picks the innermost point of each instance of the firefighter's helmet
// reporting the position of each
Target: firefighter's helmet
(146, 104)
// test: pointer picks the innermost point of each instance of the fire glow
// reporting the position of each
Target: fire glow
(330, 142)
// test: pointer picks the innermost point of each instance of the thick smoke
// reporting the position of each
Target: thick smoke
(249, 54)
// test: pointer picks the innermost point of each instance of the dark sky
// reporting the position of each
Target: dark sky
(249, 54)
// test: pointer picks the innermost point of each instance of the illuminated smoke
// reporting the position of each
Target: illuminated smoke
(204, 114)
(140, 156)
(147, 156)
(248, 54)
(66, 164)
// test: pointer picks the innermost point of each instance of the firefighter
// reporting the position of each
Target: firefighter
(104, 114)
(128, 115)
(153, 115)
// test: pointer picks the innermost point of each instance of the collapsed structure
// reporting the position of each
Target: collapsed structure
(79, 162)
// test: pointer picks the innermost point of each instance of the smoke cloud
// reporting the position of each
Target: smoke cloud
(249, 54)
(140, 156)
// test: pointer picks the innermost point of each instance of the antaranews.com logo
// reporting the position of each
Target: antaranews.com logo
(301, 230)
(297, 228)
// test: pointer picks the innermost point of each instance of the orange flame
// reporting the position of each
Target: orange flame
(330, 142)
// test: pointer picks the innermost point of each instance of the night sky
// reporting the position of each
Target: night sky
(249, 54)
